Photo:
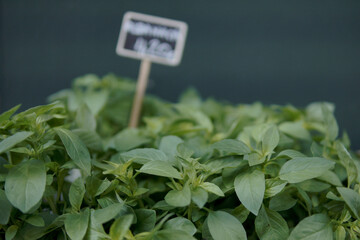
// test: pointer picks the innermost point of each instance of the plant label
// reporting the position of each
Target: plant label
(151, 38)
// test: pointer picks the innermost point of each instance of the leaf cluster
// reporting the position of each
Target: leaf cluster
(196, 169)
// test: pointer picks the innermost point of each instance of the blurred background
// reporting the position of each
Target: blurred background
(276, 52)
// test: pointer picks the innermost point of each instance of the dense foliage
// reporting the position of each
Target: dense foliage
(192, 170)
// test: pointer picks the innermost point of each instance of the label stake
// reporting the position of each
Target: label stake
(141, 85)
(150, 39)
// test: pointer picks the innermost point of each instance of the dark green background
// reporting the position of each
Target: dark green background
(244, 51)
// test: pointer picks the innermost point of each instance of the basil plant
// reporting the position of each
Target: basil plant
(195, 169)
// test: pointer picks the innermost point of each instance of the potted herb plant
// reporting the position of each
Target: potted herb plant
(196, 169)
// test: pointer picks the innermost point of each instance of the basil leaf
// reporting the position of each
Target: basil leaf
(11, 232)
(181, 223)
(352, 199)
(250, 189)
(145, 155)
(160, 168)
(128, 139)
(76, 193)
(76, 149)
(212, 188)
(5, 208)
(90, 138)
(6, 115)
(168, 145)
(25, 184)
(231, 146)
(76, 224)
(332, 128)
(36, 221)
(199, 196)
(352, 171)
(104, 215)
(171, 234)
(295, 130)
(84, 118)
(301, 169)
(273, 187)
(270, 140)
(120, 227)
(270, 225)
(11, 141)
(281, 202)
(179, 198)
(146, 219)
(291, 154)
(224, 226)
(317, 226)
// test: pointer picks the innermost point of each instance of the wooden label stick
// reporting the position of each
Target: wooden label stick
(150, 39)
(141, 85)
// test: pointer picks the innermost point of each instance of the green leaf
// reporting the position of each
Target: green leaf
(270, 140)
(255, 158)
(84, 118)
(205, 231)
(348, 162)
(120, 227)
(160, 168)
(171, 234)
(105, 184)
(330, 177)
(271, 225)
(104, 215)
(5, 208)
(224, 226)
(317, 227)
(76, 224)
(76, 194)
(273, 187)
(145, 155)
(6, 115)
(224, 162)
(250, 189)
(199, 196)
(11, 232)
(295, 130)
(291, 154)
(179, 198)
(96, 100)
(241, 213)
(352, 199)
(313, 185)
(76, 149)
(90, 138)
(212, 188)
(36, 221)
(282, 201)
(180, 223)
(340, 233)
(146, 219)
(232, 146)
(25, 184)
(332, 128)
(168, 145)
(95, 229)
(301, 169)
(128, 139)
(11, 141)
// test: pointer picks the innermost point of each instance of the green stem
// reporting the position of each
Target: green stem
(9, 157)
(207, 209)
(189, 212)
(175, 185)
(51, 204)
